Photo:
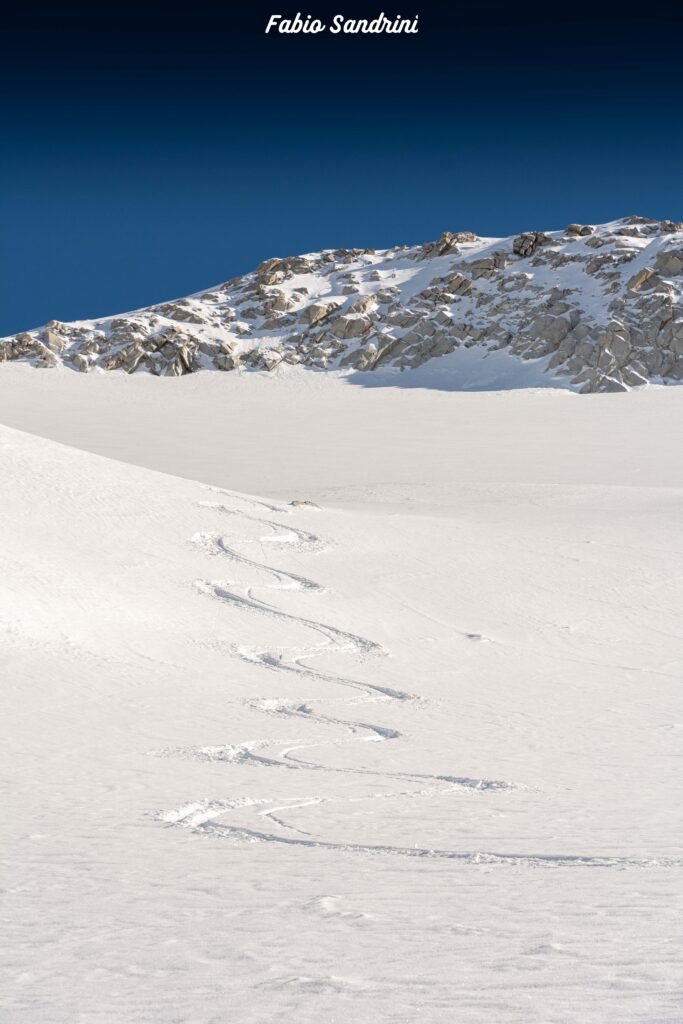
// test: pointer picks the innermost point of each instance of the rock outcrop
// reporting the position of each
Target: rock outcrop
(601, 305)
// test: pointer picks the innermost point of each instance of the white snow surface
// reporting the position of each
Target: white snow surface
(412, 755)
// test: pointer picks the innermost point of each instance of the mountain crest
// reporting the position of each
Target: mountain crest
(601, 305)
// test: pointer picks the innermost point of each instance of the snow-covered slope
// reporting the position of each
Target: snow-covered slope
(412, 758)
(598, 308)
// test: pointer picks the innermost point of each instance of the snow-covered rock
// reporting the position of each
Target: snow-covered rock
(603, 305)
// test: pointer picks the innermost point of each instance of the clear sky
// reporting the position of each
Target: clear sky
(151, 150)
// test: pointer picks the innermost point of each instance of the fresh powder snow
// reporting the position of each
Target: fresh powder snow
(340, 698)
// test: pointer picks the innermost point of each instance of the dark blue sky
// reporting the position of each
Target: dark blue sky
(151, 151)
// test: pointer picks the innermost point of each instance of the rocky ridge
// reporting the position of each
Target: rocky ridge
(601, 305)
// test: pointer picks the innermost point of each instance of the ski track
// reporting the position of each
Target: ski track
(202, 817)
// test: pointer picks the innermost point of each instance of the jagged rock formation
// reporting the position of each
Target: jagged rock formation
(602, 305)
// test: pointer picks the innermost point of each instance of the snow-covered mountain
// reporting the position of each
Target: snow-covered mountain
(602, 306)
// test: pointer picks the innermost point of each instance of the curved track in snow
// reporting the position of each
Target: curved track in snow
(208, 817)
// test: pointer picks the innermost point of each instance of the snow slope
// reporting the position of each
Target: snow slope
(593, 308)
(411, 755)
(294, 433)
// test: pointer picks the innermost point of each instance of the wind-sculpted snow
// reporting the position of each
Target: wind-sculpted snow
(213, 817)
(597, 308)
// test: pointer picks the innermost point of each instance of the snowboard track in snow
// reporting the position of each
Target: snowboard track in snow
(202, 817)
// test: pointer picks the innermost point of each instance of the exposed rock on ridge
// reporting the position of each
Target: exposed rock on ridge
(602, 305)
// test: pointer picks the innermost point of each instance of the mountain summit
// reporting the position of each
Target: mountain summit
(601, 306)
